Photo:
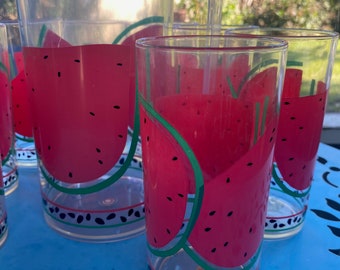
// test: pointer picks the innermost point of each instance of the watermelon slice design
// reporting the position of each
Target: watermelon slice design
(6, 122)
(21, 112)
(232, 164)
(79, 135)
(299, 131)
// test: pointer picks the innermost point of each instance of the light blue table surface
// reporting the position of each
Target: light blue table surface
(31, 244)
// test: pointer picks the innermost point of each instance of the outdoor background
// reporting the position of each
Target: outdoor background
(317, 14)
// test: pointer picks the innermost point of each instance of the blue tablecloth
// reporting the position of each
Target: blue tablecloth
(31, 244)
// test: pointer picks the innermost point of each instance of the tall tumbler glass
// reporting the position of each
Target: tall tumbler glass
(79, 64)
(209, 107)
(311, 55)
(9, 164)
(24, 142)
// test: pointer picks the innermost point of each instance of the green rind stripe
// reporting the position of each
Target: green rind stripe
(148, 20)
(254, 70)
(24, 138)
(202, 263)
(199, 181)
(285, 189)
(292, 63)
(3, 67)
(42, 35)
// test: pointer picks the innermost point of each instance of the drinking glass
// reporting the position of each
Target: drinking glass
(208, 113)
(79, 61)
(310, 60)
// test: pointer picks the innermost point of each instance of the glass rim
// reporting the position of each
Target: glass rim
(154, 42)
(293, 33)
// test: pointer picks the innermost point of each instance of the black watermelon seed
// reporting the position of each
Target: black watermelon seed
(168, 231)
(155, 240)
(228, 180)
(121, 161)
(116, 107)
(169, 199)
(88, 217)
(230, 214)
(51, 209)
(304, 167)
(59, 74)
(137, 214)
(282, 225)
(111, 216)
(207, 229)
(147, 138)
(71, 215)
(182, 226)
(275, 226)
(123, 219)
(70, 174)
(119, 64)
(212, 213)
(120, 136)
(250, 164)
(272, 220)
(98, 150)
(245, 254)
(291, 159)
(77, 60)
(45, 56)
(80, 219)
(213, 250)
(62, 215)
(289, 221)
(271, 139)
(292, 118)
(99, 221)
(286, 103)
(48, 147)
(180, 195)
(130, 212)
(291, 175)
(92, 113)
(250, 230)
(283, 139)
(100, 162)
(56, 209)
(225, 244)
(175, 158)
(300, 128)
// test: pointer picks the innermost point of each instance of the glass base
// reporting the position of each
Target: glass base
(3, 232)
(285, 216)
(182, 261)
(26, 155)
(10, 175)
(112, 214)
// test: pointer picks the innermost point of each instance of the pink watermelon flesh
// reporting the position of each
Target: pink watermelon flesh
(52, 40)
(230, 225)
(21, 112)
(299, 133)
(6, 123)
(165, 196)
(151, 30)
(79, 108)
